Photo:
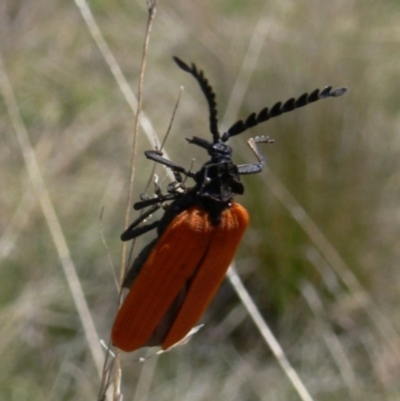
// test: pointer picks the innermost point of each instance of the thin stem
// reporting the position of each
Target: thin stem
(51, 217)
(268, 336)
(152, 4)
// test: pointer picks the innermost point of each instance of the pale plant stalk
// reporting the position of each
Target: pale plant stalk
(115, 69)
(28, 202)
(151, 10)
(268, 336)
(53, 223)
(152, 5)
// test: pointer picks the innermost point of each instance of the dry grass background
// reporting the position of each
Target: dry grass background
(324, 270)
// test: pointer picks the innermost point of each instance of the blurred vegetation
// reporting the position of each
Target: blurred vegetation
(339, 159)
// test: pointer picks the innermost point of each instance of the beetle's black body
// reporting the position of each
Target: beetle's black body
(218, 181)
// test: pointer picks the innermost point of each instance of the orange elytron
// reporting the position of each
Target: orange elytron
(174, 278)
(189, 261)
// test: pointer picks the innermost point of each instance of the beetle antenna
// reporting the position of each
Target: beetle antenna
(278, 109)
(208, 93)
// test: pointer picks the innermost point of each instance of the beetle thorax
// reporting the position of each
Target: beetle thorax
(218, 181)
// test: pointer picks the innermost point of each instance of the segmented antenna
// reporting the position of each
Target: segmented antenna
(278, 109)
(208, 93)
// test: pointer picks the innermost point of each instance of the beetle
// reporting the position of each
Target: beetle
(175, 277)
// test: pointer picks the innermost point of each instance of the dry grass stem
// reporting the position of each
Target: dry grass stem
(151, 13)
(51, 218)
(114, 67)
(268, 336)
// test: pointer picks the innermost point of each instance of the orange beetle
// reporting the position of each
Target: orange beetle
(174, 278)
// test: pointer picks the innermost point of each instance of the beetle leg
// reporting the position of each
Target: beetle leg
(134, 231)
(160, 199)
(253, 168)
(157, 157)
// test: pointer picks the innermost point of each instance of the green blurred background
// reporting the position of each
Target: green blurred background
(320, 258)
